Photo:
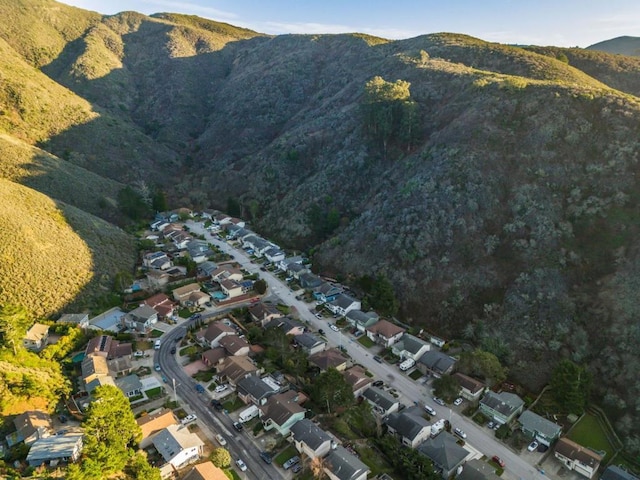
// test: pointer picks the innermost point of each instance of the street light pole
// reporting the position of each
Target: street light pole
(175, 399)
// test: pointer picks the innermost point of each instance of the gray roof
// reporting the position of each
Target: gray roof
(443, 451)
(285, 323)
(343, 301)
(273, 251)
(289, 260)
(379, 397)
(309, 433)
(142, 313)
(437, 361)
(535, 423)
(411, 344)
(328, 289)
(76, 318)
(296, 267)
(308, 340)
(363, 318)
(344, 465)
(254, 386)
(309, 280)
(504, 403)
(406, 424)
(614, 472)
(54, 447)
(130, 383)
(476, 469)
(207, 267)
(172, 440)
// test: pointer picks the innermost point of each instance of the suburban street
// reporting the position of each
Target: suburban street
(478, 437)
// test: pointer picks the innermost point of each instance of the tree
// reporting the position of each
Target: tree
(330, 391)
(220, 457)
(484, 365)
(159, 201)
(14, 322)
(132, 204)
(570, 385)
(110, 429)
(138, 468)
(383, 297)
(446, 387)
(260, 286)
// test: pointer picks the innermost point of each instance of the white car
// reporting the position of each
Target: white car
(459, 432)
(221, 440)
(334, 328)
(139, 354)
(189, 418)
(221, 388)
(533, 446)
(241, 465)
(457, 401)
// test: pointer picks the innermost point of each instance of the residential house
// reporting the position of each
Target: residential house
(578, 458)
(258, 244)
(106, 346)
(344, 304)
(289, 326)
(205, 471)
(55, 450)
(340, 464)
(410, 347)
(222, 219)
(199, 251)
(309, 343)
(330, 358)
(614, 472)
(231, 288)
(385, 333)
(409, 426)
(36, 337)
(254, 389)
(327, 292)
(213, 356)
(308, 280)
(92, 367)
(30, 426)
(130, 385)
(141, 319)
(310, 440)
(119, 367)
(436, 363)
(535, 426)
(233, 369)
(183, 294)
(295, 270)
(285, 262)
(159, 225)
(282, 411)
(79, 319)
(156, 261)
(198, 299)
(157, 279)
(179, 238)
(476, 469)
(154, 422)
(206, 269)
(263, 313)
(238, 222)
(235, 345)
(241, 234)
(362, 320)
(226, 272)
(381, 402)
(274, 255)
(357, 379)
(163, 305)
(470, 388)
(232, 231)
(501, 407)
(99, 382)
(214, 333)
(178, 446)
(445, 453)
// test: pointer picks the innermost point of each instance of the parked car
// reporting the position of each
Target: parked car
(241, 465)
(377, 358)
(199, 388)
(321, 331)
(266, 457)
(377, 383)
(498, 460)
(139, 354)
(439, 401)
(157, 367)
(179, 338)
(459, 432)
(189, 418)
(490, 425)
(296, 468)
(458, 401)
(221, 388)
(533, 446)
(319, 315)
(221, 440)
(173, 350)
(430, 410)
(291, 462)
(334, 327)
(216, 404)
(63, 419)
(238, 426)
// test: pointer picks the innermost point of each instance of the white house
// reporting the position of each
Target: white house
(178, 446)
(343, 304)
(310, 439)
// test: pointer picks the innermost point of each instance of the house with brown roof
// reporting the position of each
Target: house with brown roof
(331, 358)
(226, 272)
(385, 333)
(231, 288)
(235, 345)
(214, 333)
(213, 356)
(106, 346)
(578, 458)
(30, 426)
(36, 337)
(119, 366)
(263, 313)
(205, 471)
(290, 326)
(232, 369)
(357, 379)
(183, 294)
(141, 319)
(92, 367)
(153, 422)
(470, 388)
(282, 411)
(162, 304)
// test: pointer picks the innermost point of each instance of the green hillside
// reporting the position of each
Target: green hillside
(621, 45)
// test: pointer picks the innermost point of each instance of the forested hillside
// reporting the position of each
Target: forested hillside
(496, 187)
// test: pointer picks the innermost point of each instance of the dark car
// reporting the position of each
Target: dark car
(266, 457)
(179, 338)
(321, 331)
(216, 404)
(377, 359)
(378, 383)
(238, 426)
(296, 468)
(498, 460)
(173, 350)
(63, 419)
(199, 388)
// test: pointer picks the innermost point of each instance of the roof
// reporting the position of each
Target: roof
(263, 310)
(281, 407)
(307, 432)
(37, 332)
(233, 344)
(142, 313)
(101, 343)
(235, 368)
(308, 340)
(504, 403)
(386, 329)
(379, 397)
(364, 318)
(407, 425)
(156, 421)
(356, 377)
(130, 383)
(173, 439)
(54, 447)
(285, 323)
(186, 290)
(205, 471)
(344, 465)
(207, 267)
(477, 470)
(437, 361)
(119, 365)
(613, 472)
(468, 383)
(344, 301)
(309, 280)
(215, 329)
(443, 451)
(328, 289)
(99, 382)
(76, 318)
(254, 386)
(411, 344)
(229, 284)
(94, 365)
(214, 355)
(158, 299)
(28, 422)
(533, 422)
(570, 449)
(331, 358)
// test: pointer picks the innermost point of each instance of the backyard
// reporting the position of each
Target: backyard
(588, 432)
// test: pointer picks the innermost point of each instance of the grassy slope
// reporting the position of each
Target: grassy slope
(621, 45)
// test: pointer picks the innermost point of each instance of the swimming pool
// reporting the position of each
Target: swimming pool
(218, 295)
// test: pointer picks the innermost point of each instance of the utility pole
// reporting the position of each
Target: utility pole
(175, 399)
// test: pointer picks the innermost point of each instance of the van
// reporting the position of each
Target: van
(157, 345)
(430, 410)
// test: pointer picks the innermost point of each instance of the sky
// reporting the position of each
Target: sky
(563, 23)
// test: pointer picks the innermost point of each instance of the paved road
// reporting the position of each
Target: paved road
(480, 438)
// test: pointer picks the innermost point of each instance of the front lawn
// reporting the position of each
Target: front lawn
(366, 341)
(285, 455)
(191, 350)
(204, 376)
(233, 404)
(374, 460)
(588, 433)
(153, 393)
(415, 375)
(156, 333)
(232, 472)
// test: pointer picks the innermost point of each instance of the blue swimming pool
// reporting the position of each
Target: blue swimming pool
(218, 295)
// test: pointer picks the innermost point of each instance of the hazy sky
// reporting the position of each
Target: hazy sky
(566, 23)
